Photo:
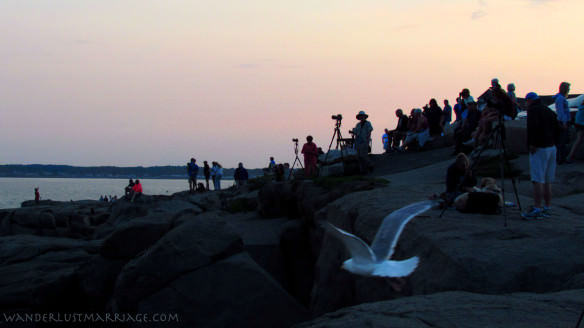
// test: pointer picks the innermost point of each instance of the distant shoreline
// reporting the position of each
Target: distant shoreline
(106, 172)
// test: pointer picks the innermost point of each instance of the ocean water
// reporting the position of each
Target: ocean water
(14, 191)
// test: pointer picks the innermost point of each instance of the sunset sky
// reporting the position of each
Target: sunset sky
(140, 82)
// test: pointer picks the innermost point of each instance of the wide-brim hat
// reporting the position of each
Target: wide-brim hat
(362, 113)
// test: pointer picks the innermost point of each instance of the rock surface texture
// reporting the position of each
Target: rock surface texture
(259, 258)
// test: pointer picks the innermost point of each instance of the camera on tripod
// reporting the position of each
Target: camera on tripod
(337, 117)
(294, 140)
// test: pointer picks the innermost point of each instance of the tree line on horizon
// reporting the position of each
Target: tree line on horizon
(110, 172)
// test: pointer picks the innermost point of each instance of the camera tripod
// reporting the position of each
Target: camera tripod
(337, 134)
(296, 160)
(498, 137)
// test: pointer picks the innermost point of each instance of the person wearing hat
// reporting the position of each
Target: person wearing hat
(542, 135)
(362, 134)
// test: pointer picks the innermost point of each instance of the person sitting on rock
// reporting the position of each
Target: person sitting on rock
(418, 130)
(434, 115)
(459, 179)
(401, 130)
(136, 190)
(469, 125)
(128, 189)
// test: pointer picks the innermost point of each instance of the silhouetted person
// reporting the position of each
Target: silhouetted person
(136, 190)
(128, 189)
(207, 172)
(563, 111)
(192, 170)
(37, 195)
(240, 175)
(310, 152)
(362, 133)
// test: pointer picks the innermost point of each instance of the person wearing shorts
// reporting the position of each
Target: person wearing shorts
(542, 135)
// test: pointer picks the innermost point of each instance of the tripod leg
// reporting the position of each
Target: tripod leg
(512, 179)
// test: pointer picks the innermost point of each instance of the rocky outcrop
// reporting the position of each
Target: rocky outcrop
(260, 258)
(461, 309)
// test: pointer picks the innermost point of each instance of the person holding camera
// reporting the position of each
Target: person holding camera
(362, 135)
(310, 152)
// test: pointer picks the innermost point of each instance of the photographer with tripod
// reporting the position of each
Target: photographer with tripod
(362, 133)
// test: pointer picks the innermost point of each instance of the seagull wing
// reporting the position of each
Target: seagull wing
(392, 226)
(360, 251)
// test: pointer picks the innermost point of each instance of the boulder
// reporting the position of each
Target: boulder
(194, 244)
(130, 238)
(471, 252)
(516, 136)
(39, 273)
(211, 297)
(461, 309)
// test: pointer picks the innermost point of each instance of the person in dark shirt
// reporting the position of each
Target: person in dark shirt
(459, 177)
(543, 132)
(401, 130)
(128, 189)
(192, 170)
(240, 175)
(207, 172)
(434, 115)
(469, 124)
(446, 114)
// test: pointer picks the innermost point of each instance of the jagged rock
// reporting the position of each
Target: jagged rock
(39, 273)
(211, 297)
(132, 237)
(97, 279)
(277, 199)
(461, 309)
(457, 252)
(187, 247)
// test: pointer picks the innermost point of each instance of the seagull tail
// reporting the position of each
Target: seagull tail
(395, 269)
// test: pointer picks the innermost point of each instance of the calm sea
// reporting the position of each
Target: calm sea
(14, 191)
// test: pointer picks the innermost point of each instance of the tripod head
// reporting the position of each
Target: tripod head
(295, 141)
(338, 118)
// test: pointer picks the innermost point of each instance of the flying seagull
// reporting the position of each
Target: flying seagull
(374, 260)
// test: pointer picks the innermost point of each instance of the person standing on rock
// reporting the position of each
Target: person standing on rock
(362, 133)
(217, 173)
(240, 175)
(310, 152)
(563, 111)
(37, 195)
(192, 170)
(207, 172)
(543, 131)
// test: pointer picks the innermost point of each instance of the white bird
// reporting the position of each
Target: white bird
(374, 260)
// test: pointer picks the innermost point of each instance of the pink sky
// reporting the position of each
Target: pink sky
(156, 82)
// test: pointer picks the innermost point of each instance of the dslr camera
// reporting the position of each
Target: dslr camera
(294, 140)
(337, 117)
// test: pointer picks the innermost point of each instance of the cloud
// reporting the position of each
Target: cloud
(478, 14)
